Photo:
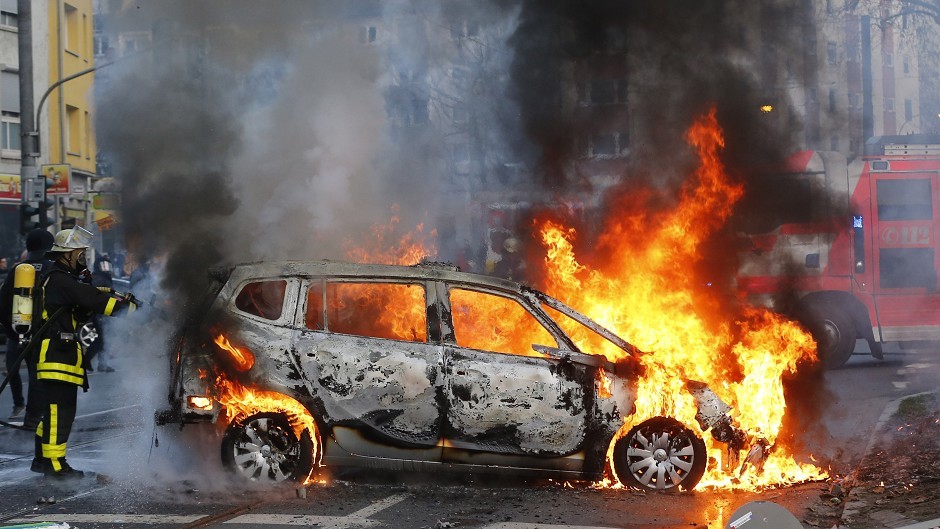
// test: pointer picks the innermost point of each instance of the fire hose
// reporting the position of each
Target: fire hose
(26, 350)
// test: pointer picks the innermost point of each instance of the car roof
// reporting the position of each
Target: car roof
(421, 271)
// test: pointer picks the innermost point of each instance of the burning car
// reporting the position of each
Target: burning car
(302, 364)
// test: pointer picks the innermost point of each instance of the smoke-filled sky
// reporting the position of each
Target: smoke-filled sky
(261, 130)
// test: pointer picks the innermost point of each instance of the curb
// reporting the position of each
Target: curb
(890, 409)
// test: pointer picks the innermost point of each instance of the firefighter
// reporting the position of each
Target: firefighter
(38, 242)
(60, 362)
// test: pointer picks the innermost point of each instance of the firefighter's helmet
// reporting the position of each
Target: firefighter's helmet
(76, 238)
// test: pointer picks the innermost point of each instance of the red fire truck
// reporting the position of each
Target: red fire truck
(851, 248)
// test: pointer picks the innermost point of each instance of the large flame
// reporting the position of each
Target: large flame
(644, 289)
(647, 292)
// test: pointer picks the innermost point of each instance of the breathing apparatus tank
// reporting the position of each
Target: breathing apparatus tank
(24, 279)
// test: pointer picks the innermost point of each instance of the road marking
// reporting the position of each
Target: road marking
(359, 518)
(520, 525)
(111, 518)
(107, 411)
(321, 522)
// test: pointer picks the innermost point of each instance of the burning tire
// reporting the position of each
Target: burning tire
(263, 447)
(834, 331)
(660, 454)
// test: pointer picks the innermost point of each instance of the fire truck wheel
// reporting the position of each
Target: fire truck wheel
(834, 331)
(264, 448)
(660, 454)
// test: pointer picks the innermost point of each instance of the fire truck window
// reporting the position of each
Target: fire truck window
(314, 317)
(396, 311)
(262, 298)
(904, 200)
(907, 268)
(494, 323)
(777, 200)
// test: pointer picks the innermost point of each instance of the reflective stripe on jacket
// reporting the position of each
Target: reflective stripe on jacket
(60, 356)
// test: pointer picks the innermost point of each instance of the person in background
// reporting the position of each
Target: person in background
(38, 242)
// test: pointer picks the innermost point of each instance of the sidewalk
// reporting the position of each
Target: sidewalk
(897, 484)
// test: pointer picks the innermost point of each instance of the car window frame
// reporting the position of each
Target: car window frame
(430, 296)
(532, 306)
(288, 309)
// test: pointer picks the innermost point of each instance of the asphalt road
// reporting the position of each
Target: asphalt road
(167, 478)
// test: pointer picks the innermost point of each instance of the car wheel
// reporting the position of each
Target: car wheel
(660, 454)
(87, 334)
(263, 447)
(834, 331)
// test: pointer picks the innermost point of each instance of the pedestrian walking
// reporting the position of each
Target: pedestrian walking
(38, 242)
(67, 302)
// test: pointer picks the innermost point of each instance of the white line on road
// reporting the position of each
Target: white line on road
(519, 525)
(111, 518)
(359, 518)
(107, 411)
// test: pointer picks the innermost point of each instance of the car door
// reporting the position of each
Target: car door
(504, 398)
(371, 356)
(905, 272)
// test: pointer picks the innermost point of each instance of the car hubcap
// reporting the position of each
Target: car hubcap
(660, 460)
(265, 451)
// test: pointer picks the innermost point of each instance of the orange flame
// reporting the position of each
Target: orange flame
(243, 359)
(647, 293)
(386, 247)
(239, 402)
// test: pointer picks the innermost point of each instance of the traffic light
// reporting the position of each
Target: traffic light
(41, 185)
(29, 217)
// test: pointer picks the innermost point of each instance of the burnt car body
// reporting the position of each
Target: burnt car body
(420, 368)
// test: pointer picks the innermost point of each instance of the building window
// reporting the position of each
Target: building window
(609, 145)
(833, 143)
(10, 125)
(889, 59)
(73, 130)
(832, 53)
(461, 116)
(832, 100)
(102, 44)
(908, 109)
(603, 92)
(87, 137)
(889, 104)
(418, 111)
(73, 34)
(368, 34)
(907, 64)
(134, 41)
(9, 20)
(464, 28)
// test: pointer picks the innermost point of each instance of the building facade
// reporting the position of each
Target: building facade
(62, 47)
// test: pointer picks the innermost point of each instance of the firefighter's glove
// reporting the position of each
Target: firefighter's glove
(132, 302)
